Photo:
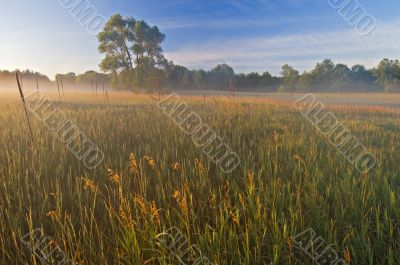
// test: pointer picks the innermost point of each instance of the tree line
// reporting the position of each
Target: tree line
(6, 75)
(89, 79)
(325, 77)
(71, 80)
(134, 61)
(28, 78)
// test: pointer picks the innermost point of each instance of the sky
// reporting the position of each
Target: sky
(249, 35)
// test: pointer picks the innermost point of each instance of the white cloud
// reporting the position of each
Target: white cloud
(226, 23)
(300, 50)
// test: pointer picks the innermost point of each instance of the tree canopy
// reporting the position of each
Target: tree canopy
(133, 53)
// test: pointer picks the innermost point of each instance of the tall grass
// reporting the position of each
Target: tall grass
(154, 177)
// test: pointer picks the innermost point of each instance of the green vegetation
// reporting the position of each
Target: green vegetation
(89, 78)
(134, 61)
(7, 78)
(154, 177)
(133, 53)
(133, 57)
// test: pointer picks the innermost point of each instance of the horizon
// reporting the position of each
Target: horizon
(250, 36)
(52, 78)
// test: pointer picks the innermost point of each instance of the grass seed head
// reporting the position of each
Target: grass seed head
(89, 185)
(133, 165)
(150, 161)
(176, 167)
(54, 215)
(113, 177)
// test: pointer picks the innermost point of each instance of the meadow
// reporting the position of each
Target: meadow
(153, 177)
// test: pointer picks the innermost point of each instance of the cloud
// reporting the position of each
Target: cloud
(301, 50)
(225, 23)
(232, 13)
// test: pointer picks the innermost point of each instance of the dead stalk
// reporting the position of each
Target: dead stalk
(58, 87)
(62, 87)
(105, 91)
(23, 102)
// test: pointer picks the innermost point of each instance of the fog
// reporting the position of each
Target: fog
(391, 100)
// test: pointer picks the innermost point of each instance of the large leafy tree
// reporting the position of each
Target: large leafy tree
(133, 52)
(116, 41)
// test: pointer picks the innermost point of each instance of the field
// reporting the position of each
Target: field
(154, 177)
(390, 100)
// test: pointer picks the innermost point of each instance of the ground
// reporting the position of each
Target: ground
(154, 177)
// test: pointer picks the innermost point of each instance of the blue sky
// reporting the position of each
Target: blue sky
(249, 35)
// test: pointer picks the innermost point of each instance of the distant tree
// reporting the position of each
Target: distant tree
(70, 77)
(322, 75)
(178, 76)
(340, 77)
(199, 78)
(388, 74)
(30, 75)
(290, 78)
(254, 80)
(305, 82)
(269, 81)
(241, 80)
(363, 79)
(29, 78)
(221, 76)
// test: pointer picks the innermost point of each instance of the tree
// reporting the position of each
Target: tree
(388, 74)
(148, 51)
(269, 81)
(305, 81)
(363, 79)
(178, 76)
(124, 38)
(253, 80)
(147, 47)
(323, 75)
(290, 78)
(115, 41)
(256, 81)
(199, 78)
(221, 76)
(340, 77)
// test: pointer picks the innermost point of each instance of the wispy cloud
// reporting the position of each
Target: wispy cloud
(233, 13)
(223, 23)
(300, 50)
